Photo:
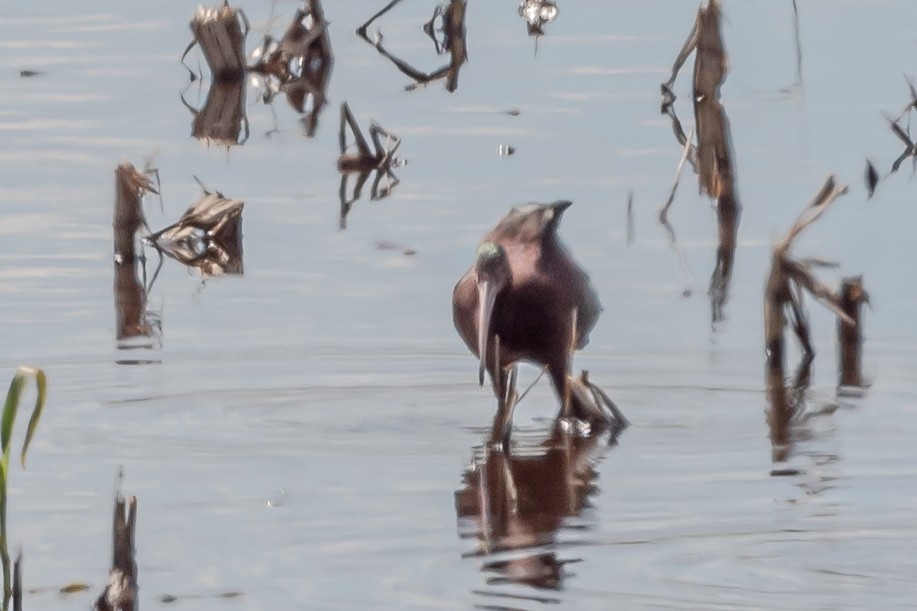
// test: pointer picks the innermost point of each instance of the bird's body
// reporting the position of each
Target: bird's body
(526, 289)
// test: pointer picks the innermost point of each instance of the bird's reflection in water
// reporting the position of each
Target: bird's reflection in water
(515, 506)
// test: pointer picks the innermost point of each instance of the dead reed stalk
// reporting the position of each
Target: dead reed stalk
(131, 186)
(208, 236)
(850, 337)
(220, 32)
(121, 592)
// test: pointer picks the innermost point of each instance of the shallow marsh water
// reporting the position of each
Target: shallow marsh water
(301, 432)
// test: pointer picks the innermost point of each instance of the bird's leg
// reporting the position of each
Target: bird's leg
(504, 382)
(496, 373)
(511, 498)
(509, 400)
(564, 388)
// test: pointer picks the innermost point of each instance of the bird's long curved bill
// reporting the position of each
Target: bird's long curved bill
(487, 295)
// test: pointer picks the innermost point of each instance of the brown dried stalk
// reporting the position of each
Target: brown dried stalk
(712, 157)
(131, 186)
(364, 162)
(121, 592)
(852, 297)
(220, 32)
(208, 236)
(789, 279)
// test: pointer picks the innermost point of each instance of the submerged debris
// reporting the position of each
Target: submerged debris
(447, 31)
(172, 598)
(208, 236)
(387, 245)
(378, 160)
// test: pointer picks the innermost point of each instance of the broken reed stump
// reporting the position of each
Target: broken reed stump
(208, 236)
(377, 160)
(710, 64)
(715, 165)
(850, 336)
(366, 159)
(121, 592)
(220, 34)
(131, 186)
(789, 278)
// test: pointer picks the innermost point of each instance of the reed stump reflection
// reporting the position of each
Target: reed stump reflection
(712, 157)
(135, 325)
(446, 28)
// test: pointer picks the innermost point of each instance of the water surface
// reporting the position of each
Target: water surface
(301, 430)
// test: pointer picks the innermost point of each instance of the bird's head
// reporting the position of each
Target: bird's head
(491, 264)
(492, 268)
(534, 222)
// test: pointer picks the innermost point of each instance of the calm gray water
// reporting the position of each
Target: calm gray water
(302, 431)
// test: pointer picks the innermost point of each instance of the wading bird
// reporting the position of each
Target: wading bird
(526, 299)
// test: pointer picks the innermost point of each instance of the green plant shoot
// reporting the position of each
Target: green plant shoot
(10, 408)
